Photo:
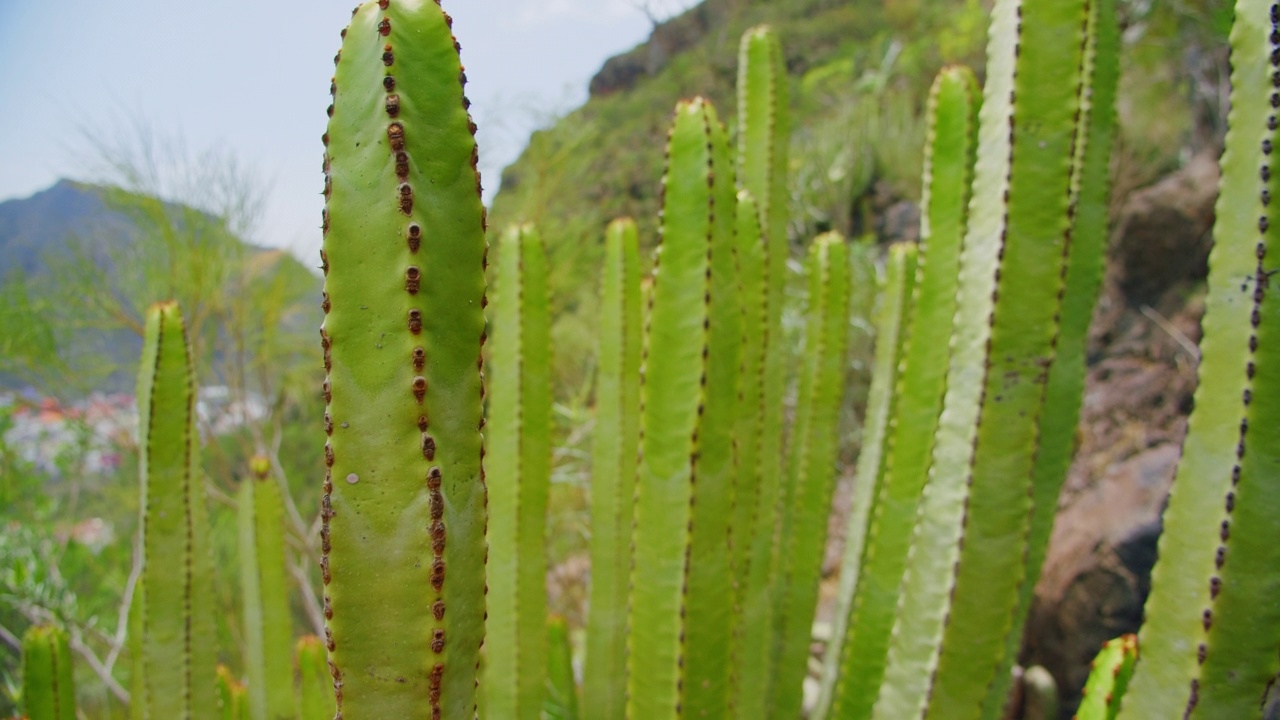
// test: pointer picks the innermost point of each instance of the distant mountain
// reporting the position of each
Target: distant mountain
(74, 225)
(35, 228)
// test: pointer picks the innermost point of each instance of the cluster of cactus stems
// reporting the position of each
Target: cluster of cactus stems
(709, 514)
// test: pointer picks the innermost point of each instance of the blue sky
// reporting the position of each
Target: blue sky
(250, 81)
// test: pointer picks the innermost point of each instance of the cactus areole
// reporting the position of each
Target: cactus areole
(403, 508)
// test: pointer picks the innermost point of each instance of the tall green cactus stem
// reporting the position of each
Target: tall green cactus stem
(1019, 232)
(175, 595)
(48, 683)
(315, 696)
(613, 472)
(562, 692)
(1108, 679)
(268, 631)
(1020, 224)
(811, 472)
(892, 316)
(231, 696)
(892, 480)
(1064, 393)
(1209, 643)
(763, 142)
(403, 509)
(764, 131)
(748, 611)
(672, 396)
(519, 472)
(708, 576)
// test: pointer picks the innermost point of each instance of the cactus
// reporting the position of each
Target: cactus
(751, 255)
(874, 568)
(891, 319)
(403, 509)
(613, 472)
(676, 446)
(1108, 679)
(763, 138)
(811, 472)
(174, 618)
(1064, 390)
(519, 472)
(1212, 629)
(268, 633)
(562, 693)
(315, 696)
(708, 576)
(231, 696)
(48, 683)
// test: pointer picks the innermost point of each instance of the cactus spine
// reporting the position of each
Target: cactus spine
(48, 683)
(403, 510)
(174, 600)
(673, 397)
(268, 631)
(874, 568)
(613, 472)
(763, 138)
(1209, 643)
(519, 472)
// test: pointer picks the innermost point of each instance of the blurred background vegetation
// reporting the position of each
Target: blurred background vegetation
(78, 271)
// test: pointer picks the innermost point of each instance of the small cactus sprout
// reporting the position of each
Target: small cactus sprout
(1108, 679)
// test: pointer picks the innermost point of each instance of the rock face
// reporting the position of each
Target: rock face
(669, 38)
(1142, 373)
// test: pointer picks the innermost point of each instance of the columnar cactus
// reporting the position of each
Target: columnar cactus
(811, 469)
(268, 629)
(519, 472)
(1212, 629)
(763, 140)
(48, 680)
(890, 323)
(613, 473)
(684, 455)
(403, 509)
(1012, 279)
(1064, 389)
(173, 606)
(890, 479)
